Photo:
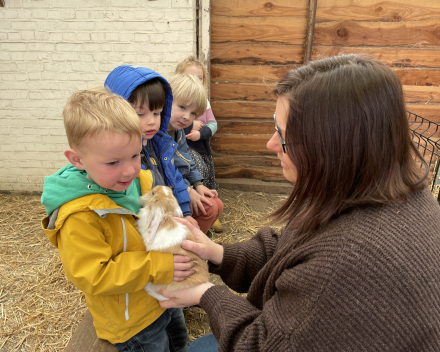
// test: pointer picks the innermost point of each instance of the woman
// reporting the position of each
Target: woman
(357, 265)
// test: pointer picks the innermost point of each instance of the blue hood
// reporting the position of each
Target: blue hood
(124, 79)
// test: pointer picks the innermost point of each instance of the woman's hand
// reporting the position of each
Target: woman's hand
(202, 246)
(184, 298)
(192, 221)
(196, 202)
(182, 267)
(193, 136)
(206, 192)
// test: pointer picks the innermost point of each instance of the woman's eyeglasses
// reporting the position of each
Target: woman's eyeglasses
(279, 134)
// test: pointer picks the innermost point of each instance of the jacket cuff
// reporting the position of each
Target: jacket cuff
(163, 268)
(195, 184)
(186, 211)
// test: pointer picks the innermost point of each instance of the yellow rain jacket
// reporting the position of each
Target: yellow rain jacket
(103, 255)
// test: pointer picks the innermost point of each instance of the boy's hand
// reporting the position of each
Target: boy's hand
(184, 298)
(197, 125)
(192, 221)
(193, 136)
(196, 202)
(202, 245)
(206, 192)
(182, 267)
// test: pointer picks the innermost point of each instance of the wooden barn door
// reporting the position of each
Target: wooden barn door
(255, 42)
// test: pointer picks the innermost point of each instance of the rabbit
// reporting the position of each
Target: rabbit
(161, 233)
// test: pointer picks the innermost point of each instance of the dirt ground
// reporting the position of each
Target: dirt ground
(40, 308)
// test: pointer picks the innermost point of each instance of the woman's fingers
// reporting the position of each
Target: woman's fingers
(184, 298)
(189, 220)
(185, 221)
(198, 234)
(193, 247)
(203, 246)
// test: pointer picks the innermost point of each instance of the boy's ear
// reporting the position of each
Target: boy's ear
(74, 157)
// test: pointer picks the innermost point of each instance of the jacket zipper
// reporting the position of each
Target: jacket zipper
(124, 250)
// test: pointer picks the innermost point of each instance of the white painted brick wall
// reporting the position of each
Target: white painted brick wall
(50, 48)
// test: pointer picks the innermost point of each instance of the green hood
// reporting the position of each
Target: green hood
(70, 183)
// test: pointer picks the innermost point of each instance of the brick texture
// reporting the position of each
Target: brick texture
(51, 48)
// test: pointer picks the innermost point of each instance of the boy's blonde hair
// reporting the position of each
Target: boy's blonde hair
(189, 91)
(90, 111)
(191, 61)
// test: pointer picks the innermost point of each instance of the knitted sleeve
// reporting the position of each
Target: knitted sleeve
(242, 261)
(270, 320)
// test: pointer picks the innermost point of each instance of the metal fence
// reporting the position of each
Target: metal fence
(426, 136)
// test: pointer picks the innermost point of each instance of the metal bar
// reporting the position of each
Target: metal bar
(310, 30)
(426, 136)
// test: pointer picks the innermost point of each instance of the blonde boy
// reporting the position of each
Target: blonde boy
(92, 205)
(189, 102)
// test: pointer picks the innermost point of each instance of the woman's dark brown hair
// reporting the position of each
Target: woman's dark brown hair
(347, 134)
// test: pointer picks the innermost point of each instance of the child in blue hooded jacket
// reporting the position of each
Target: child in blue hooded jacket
(151, 96)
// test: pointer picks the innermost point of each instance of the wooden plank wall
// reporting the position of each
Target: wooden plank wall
(254, 43)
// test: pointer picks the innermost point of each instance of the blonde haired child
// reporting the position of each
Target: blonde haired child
(189, 102)
(91, 207)
(204, 127)
(89, 112)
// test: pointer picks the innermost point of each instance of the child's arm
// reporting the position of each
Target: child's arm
(192, 221)
(208, 129)
(92, 266)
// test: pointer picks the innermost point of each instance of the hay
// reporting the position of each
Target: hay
(39, 308)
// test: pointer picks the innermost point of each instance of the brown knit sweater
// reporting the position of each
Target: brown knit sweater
(368, 281)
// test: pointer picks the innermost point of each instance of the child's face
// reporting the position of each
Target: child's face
(181, 116)
(111, 160)
(194, 70)
(150, 120)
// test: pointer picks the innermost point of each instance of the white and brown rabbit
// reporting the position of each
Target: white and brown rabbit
(162, 233)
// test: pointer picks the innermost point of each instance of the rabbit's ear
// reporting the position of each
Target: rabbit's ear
(155, 217)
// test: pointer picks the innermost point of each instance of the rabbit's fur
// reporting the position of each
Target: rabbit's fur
(162, 233)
